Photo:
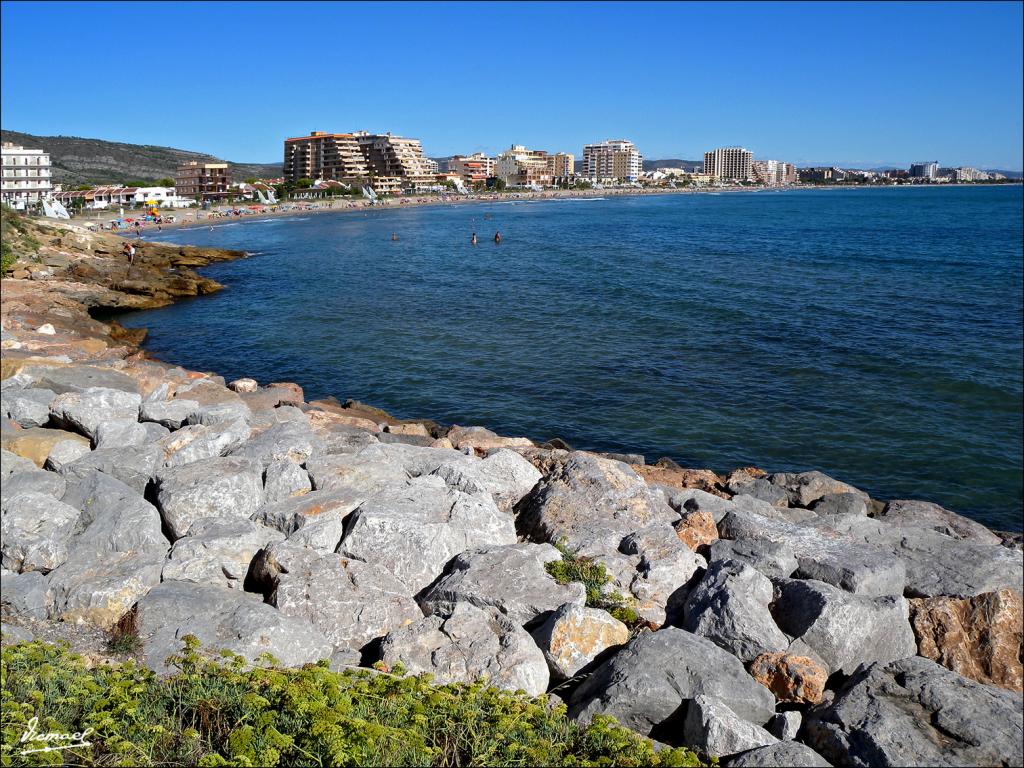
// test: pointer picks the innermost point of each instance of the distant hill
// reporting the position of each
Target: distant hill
(76, 160)
(688, 165)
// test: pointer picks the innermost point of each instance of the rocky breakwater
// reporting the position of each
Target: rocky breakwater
(783, 619)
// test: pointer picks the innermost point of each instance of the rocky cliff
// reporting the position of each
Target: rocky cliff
(783, 619)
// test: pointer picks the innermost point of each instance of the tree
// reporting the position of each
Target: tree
(499, 185)
(250, 180)
(164, 183)
(304, 183)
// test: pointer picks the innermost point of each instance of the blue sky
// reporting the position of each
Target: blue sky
(854, 84)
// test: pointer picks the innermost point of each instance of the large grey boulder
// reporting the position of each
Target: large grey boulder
(913, 712)
(199, 441)
(36, 531)
(466, 645)
(218, 551)
(356, 472)
(663, 572)
(510, 579)
(415, 460)
(762, 489)
(64, 452)
(121, 433)
(114, 518)
(586, 498)
(315, 519)
(349, 601)
(28, 407)
(714, 729)
(823, 554)
(32, 480)
(773, 559)
(729, 606)
(12, 463)
(217, 403)
(77, 378)
(222, 619)
(283, 479)
(785, 725)
(843, 630)
(288, 440)
(804, 488)
(134, 466)
(416, 528)
(219, 487)
(23, 595)
(574, 636)
(173, 414)
(783, 754)
(644, 685)
(504, 474)
(923, 514)
(685, 500)
(85, 411)
(841, 504)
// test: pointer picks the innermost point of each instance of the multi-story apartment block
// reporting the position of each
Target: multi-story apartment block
(431, 165)
(616, 159)
(822, 175)
(968, 174)
(395, 157)
(929, 170)
(25, 176)
(208, 181)
(474, 169)
(729, 164)
(772, 173)
(561, 165)
(519, 166)
(321, 155)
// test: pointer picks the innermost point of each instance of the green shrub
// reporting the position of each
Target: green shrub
(225, 712)
(6, 258)
(594, 578)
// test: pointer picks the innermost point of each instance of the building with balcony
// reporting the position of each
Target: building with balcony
(612, 160)
(25, 179)
(518, 166)
(206, 181)
(473, 169)
(324, 156)
(772, 173)
(928, 170)
(729, 164)
(562, 166)
(395, 157)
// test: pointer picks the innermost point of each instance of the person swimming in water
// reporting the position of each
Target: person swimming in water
(472, 240)
(497, 237)
(394, 236)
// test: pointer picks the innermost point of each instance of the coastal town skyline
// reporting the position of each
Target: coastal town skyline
(957, 102)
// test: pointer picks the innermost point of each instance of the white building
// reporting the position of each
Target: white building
(161, 197)
(729, 164)
(25, 176)
(615, 159)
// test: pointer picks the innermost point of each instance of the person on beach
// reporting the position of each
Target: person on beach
(129, 251)
(472, 240)
(497, 237)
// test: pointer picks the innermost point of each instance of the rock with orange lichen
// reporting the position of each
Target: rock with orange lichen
(573, 636)
(696, 529)
(667, 472)
(793, 679)
(979, 637)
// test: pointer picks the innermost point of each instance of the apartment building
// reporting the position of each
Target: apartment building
(396, 157)
(208, 181)
(24, 176)
(773, 173)
(474, 169)
(968, 174)
(519, 166)
(561, 165)
(615, 159)
(928, 170)
(326, 156)
(729, 164)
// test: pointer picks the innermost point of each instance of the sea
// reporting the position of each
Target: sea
(874, 334)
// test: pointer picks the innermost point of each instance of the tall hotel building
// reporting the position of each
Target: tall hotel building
(385, 161)
(26, 176)
(206, 181)
(614, 159)
(474, 169)
(730, 163)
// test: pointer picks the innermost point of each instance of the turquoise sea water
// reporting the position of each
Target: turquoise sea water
(874, 334)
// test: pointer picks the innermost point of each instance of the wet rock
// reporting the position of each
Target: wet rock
(729, 606)
(28, 407)
(713, 728)
(978, 637)
(219, 487)
(573, 636)
(35, 532)
(793, 679)
(222, 618)
(784, 754)
(283, 479)
(644, 685)
(85, 411)
(196, 442)
(173, 414)
(349, 601)
(696, 529)
(64, 452)
(134, 466)
(469, 644)
(773, 559)
(218, 551)
(923, 514)
(415, 529)
(915, 712)
(510, 579)
(504, 474)
(842, 629)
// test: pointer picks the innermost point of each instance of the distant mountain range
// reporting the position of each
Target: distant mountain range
(77, 160)
(687, 165)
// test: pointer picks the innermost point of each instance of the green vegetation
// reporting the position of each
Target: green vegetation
(14, 238)
(594, 578)
(214, 712)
